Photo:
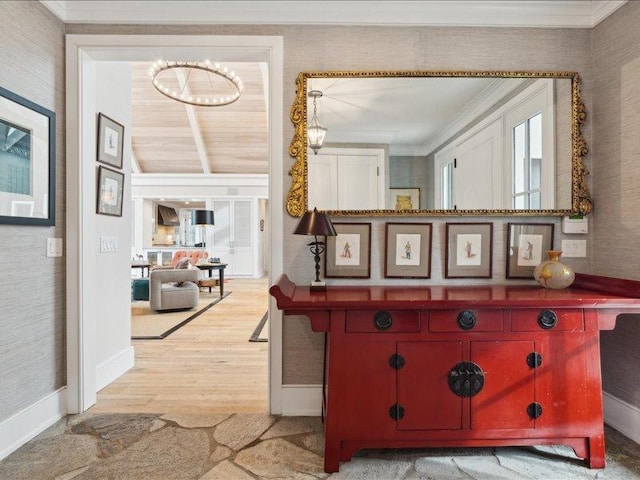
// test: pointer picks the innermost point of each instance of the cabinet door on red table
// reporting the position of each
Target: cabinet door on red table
(367, 387)
(508, 385)
(423, 388)
(562, 387)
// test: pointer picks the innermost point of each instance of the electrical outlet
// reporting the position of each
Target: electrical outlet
(574, 248)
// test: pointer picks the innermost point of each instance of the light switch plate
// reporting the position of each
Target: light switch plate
(108, 244)
(574, 248)
(54, 247)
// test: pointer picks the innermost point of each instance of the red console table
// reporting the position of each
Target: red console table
(445, 366)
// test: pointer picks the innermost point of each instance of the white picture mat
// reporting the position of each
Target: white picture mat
(408, 249)
(469, 249)
(38, 126)
(529, 250)
(347, 249)
(110, 141)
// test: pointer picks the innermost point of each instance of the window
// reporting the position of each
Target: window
(527, 163)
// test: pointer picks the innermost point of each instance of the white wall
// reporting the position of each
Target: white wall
(112, 284)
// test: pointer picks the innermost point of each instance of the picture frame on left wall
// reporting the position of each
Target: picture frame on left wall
(110, 141)
(27, 162)
(110, 190)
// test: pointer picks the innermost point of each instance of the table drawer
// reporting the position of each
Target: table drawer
(382, 321)
(553, 319)
(469, 320)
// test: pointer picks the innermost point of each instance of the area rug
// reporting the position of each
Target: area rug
(147, 324)
(255, 336)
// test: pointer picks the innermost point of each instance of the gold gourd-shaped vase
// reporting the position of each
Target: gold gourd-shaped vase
(553, 273)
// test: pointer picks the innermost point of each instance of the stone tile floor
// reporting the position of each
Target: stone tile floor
(250, 446)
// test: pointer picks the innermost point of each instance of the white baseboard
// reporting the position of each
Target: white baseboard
(113, 367)
(622, 416)
(302, 400)
(18, 429)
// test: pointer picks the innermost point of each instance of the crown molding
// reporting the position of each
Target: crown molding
(477, 13)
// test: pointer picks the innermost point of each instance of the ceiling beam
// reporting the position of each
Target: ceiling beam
(193, 121)
(135, 165)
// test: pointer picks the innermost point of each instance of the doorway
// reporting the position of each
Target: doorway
(83, 51)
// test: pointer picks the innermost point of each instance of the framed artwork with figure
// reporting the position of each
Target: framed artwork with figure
(407, 250)
(348, 254)
(469, 250)
(526, 247)
(110, 141)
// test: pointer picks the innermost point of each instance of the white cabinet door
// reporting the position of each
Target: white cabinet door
(358, 183)
(346, 179)
(478, 171)
(232, 235)
(323, 189)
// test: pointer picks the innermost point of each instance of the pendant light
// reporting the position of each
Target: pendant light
(315, 132)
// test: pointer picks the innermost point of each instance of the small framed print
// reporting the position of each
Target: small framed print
(526, 246)
(407, 250)
(110, 190)
(403, 199)
(469, 250)
(348, 254)
(110, 141)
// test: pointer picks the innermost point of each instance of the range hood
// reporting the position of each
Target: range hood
(168, 216)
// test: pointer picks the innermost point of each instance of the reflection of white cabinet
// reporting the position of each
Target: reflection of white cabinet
(235, 236)
(347, 179)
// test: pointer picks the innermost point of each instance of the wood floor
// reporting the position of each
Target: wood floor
(207, 366)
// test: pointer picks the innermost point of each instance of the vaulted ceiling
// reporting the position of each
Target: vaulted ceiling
(172, 137)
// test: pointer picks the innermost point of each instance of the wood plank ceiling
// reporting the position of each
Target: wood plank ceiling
(171, 137)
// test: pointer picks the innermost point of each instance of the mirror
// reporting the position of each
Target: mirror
(440, 143)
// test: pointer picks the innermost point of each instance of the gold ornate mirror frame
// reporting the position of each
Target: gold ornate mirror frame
(297, 196)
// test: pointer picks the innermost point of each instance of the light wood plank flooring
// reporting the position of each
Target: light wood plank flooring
(207, 366)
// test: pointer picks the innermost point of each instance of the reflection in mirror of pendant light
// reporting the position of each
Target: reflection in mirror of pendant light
(315, 132)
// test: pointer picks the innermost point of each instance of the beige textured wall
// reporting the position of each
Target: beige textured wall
(32, 287)
(616, 185)
(312, 48)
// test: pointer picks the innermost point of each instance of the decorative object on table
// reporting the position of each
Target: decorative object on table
(110, 190)
(202, 218)
(110, 141)
(526, 244)
(27, 169)
(317, 224)
(349, 252)
(403, 199)
(407, 250)
(315, 131)
(469, 250)
(553, 273)
(215, 84)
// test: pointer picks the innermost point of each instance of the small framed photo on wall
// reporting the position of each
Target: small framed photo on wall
(526, 246)
(110, 141)
(110, 191)
(469, 250)
(407, 250)
(348, 254)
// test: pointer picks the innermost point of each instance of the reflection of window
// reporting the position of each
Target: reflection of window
(527, 163)
(447, 186)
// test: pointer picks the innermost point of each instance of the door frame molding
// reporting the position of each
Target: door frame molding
(81, 52)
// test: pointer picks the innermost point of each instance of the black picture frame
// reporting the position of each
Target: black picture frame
(407, 250)
(109, 192)
(358, 262)
(469, 251)
(110, 141)
(28, 170)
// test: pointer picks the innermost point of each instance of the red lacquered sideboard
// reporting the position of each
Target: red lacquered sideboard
(444, 366)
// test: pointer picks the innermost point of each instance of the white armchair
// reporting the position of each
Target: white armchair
(173, 289)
